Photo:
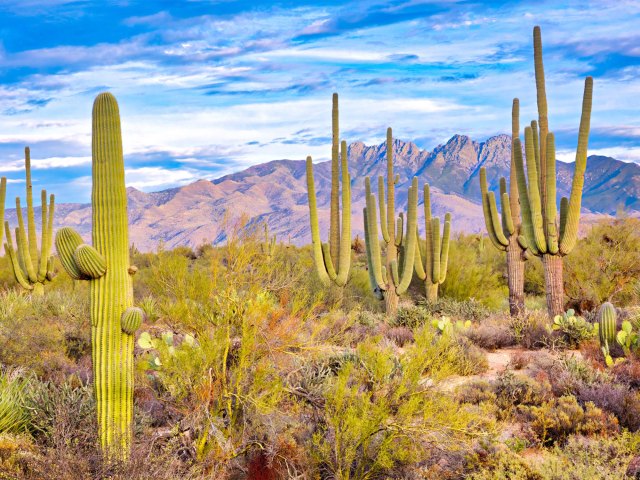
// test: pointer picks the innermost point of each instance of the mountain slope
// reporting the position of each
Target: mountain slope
(276, 192)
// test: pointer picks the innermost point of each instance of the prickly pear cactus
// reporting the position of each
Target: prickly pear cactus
(106, 266)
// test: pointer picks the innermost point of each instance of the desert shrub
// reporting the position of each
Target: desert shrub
(64, 415)
(628, 372)
(468, 309)
(491, 335)
(588, 457)
(378, 415)
(615, 399)
(476, 392)
(475, 275)
(606, 264)
(412, 316)
(399, 335)
(15, 411)
(533, 331)
(556, 419)
(513, 390)
(45, 335)
(506, 465)
(579, 458)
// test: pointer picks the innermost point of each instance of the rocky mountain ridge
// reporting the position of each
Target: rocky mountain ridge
(276, 192)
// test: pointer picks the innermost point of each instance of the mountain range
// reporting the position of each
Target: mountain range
(276, 192)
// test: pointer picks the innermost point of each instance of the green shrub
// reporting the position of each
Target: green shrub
(15, 412)
(469, 309)
(556, 419)
(606, 264)
(475, 275)
(379, 414)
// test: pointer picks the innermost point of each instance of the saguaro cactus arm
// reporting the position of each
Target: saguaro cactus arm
(18, 274)
(345, 245)
(411, 234)
(444, 252)
(570, 231)
(492, 224)
(334, 222)
(316, 243)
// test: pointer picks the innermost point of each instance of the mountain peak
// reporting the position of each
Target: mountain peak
(276, 192)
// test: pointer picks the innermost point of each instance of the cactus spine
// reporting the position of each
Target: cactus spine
(504, 231)
(543, 234)
(106, 266)
(607, 325)
(433, 270)
(338, 251)
(31, 268)
(391, 280)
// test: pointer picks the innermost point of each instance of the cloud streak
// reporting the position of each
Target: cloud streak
(204, 92)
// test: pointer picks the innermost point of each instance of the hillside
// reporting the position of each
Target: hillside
(276, 192)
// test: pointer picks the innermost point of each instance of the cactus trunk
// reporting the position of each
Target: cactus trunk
(515, 276)
(106, 267)
(432, 292)
(112, 293)
(553, 281)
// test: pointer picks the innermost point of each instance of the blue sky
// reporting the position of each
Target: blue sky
(210, 87)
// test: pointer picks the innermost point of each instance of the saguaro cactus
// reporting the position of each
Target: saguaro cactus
(504, 231)
(269, 244)
(31, 268)
(433, 269)
(106, 266)
(543, 235)
(338, 251)
(391, 280)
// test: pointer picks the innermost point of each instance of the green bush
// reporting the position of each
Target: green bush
(556, 419)
(475, 275)
(379, 413)
(605, 265)
(15, 412)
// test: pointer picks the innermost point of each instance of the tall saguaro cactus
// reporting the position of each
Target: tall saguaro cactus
(106, 266)
(392, 279)
(504, 231)
(433, 269)
(338, 251)
(31, 268)
(545, 236)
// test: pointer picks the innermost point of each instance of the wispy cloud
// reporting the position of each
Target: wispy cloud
(206, 91)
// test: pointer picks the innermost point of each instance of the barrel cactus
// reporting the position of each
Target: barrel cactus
(504, 230)
(105, 265)
(391, 279)
(338, 250)
(433, 269)
(607, 325)
(545, 233)
(32, 268)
